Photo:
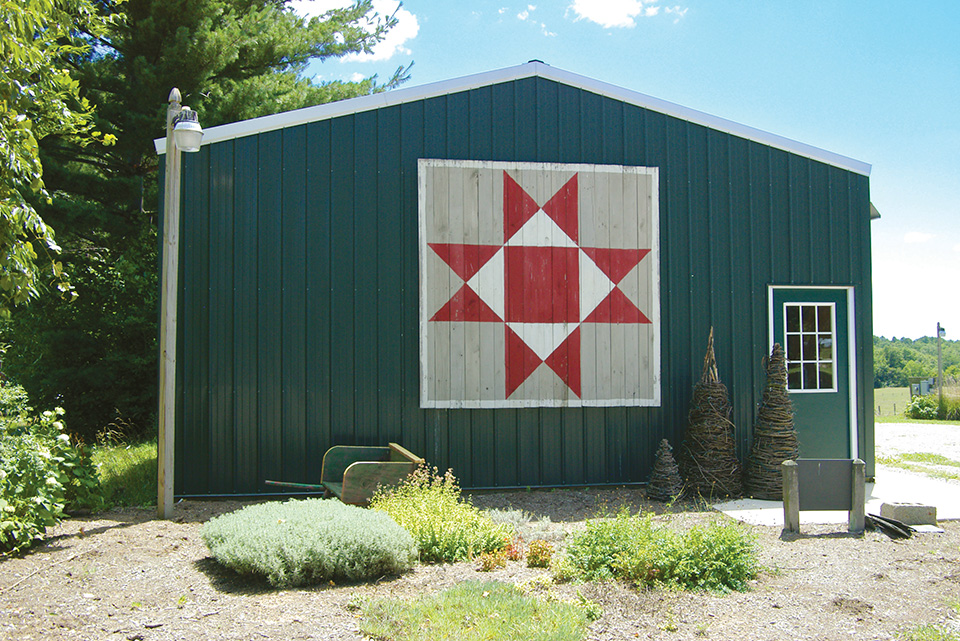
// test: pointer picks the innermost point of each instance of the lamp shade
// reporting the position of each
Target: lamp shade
(187, 131)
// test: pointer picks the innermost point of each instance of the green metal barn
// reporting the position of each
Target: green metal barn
(511, 274)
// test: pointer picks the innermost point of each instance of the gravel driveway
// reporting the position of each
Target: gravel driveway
(898, 438)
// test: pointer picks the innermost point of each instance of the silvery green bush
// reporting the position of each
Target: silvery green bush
(310, 541)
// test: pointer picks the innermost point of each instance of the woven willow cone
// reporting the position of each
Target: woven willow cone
(665, 482)
(708, 455)
(774, 434)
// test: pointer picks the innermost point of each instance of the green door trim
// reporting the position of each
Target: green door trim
(851, 347)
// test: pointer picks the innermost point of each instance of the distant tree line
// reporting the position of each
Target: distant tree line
(896, 360)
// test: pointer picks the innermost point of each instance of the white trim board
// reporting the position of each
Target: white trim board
(527, 70)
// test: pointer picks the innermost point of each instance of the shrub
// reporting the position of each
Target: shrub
(310, 541)
(445, 526)
(719, 556)
(42, 475)
(539, 554)
(514, 549)
(493, 560)
(922, 407)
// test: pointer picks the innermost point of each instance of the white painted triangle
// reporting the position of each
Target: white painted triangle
(540, 231)
(489, 283)
(543, 338)
(595, 286)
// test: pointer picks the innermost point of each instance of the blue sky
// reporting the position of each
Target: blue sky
(877, 81)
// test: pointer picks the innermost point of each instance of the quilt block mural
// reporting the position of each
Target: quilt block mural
(539, 285)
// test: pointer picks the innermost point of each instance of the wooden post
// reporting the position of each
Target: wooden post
(791, 496)
(858, 497)
(168, 317)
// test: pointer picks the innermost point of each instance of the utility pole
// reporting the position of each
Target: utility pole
(941, 332)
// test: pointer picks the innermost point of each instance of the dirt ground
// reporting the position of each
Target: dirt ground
(126, 575)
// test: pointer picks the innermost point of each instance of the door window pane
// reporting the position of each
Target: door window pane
(809, 337)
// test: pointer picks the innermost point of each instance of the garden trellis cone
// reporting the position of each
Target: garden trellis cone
(774, 434)
(665, 482)
(708, 455)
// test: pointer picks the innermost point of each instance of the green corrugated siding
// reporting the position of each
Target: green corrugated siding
(299, 273)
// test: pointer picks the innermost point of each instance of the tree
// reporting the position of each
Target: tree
(231, 59)
(38, 98)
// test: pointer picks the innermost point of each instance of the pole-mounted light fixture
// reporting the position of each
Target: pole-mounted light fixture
(183, 134)
(187, 130)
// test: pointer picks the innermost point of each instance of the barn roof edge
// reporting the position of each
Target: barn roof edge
(531, 69)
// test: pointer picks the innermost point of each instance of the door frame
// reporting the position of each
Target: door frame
(851, 349)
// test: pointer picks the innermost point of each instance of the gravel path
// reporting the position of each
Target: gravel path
(897, 438)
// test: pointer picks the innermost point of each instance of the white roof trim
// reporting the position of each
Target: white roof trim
(530, 69)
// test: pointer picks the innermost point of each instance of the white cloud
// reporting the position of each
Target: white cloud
(914, 237)
(394, 43)
(677, 11)
(620, 13)
(956, 247)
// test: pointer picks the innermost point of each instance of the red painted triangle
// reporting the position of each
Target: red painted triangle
(465, 260)
(466, 305)
(615, 263)
(518, 207)
(565, 361)
(562, 208)
(521, 361)
(616, 308)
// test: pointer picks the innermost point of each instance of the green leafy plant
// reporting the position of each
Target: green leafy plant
(478, 610)
(492, 560)
(310, 541)
(718, 556)
(43, 474)
(922, 407)
(445, 526)
(539, 554)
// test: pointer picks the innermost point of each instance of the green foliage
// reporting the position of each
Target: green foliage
(539, 555)
(128, 472)
(474, 611)
(98, 356)
(42, 475)
(308, 542)
(719, 556)
(38, 98)
(923, 407)
(929, 632)
(492, 560)
(14, 401)
(897, 359)
(445, 526)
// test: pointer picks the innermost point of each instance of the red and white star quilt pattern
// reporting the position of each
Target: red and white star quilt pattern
(539, 285)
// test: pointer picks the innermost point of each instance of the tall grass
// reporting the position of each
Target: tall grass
(128, 472)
